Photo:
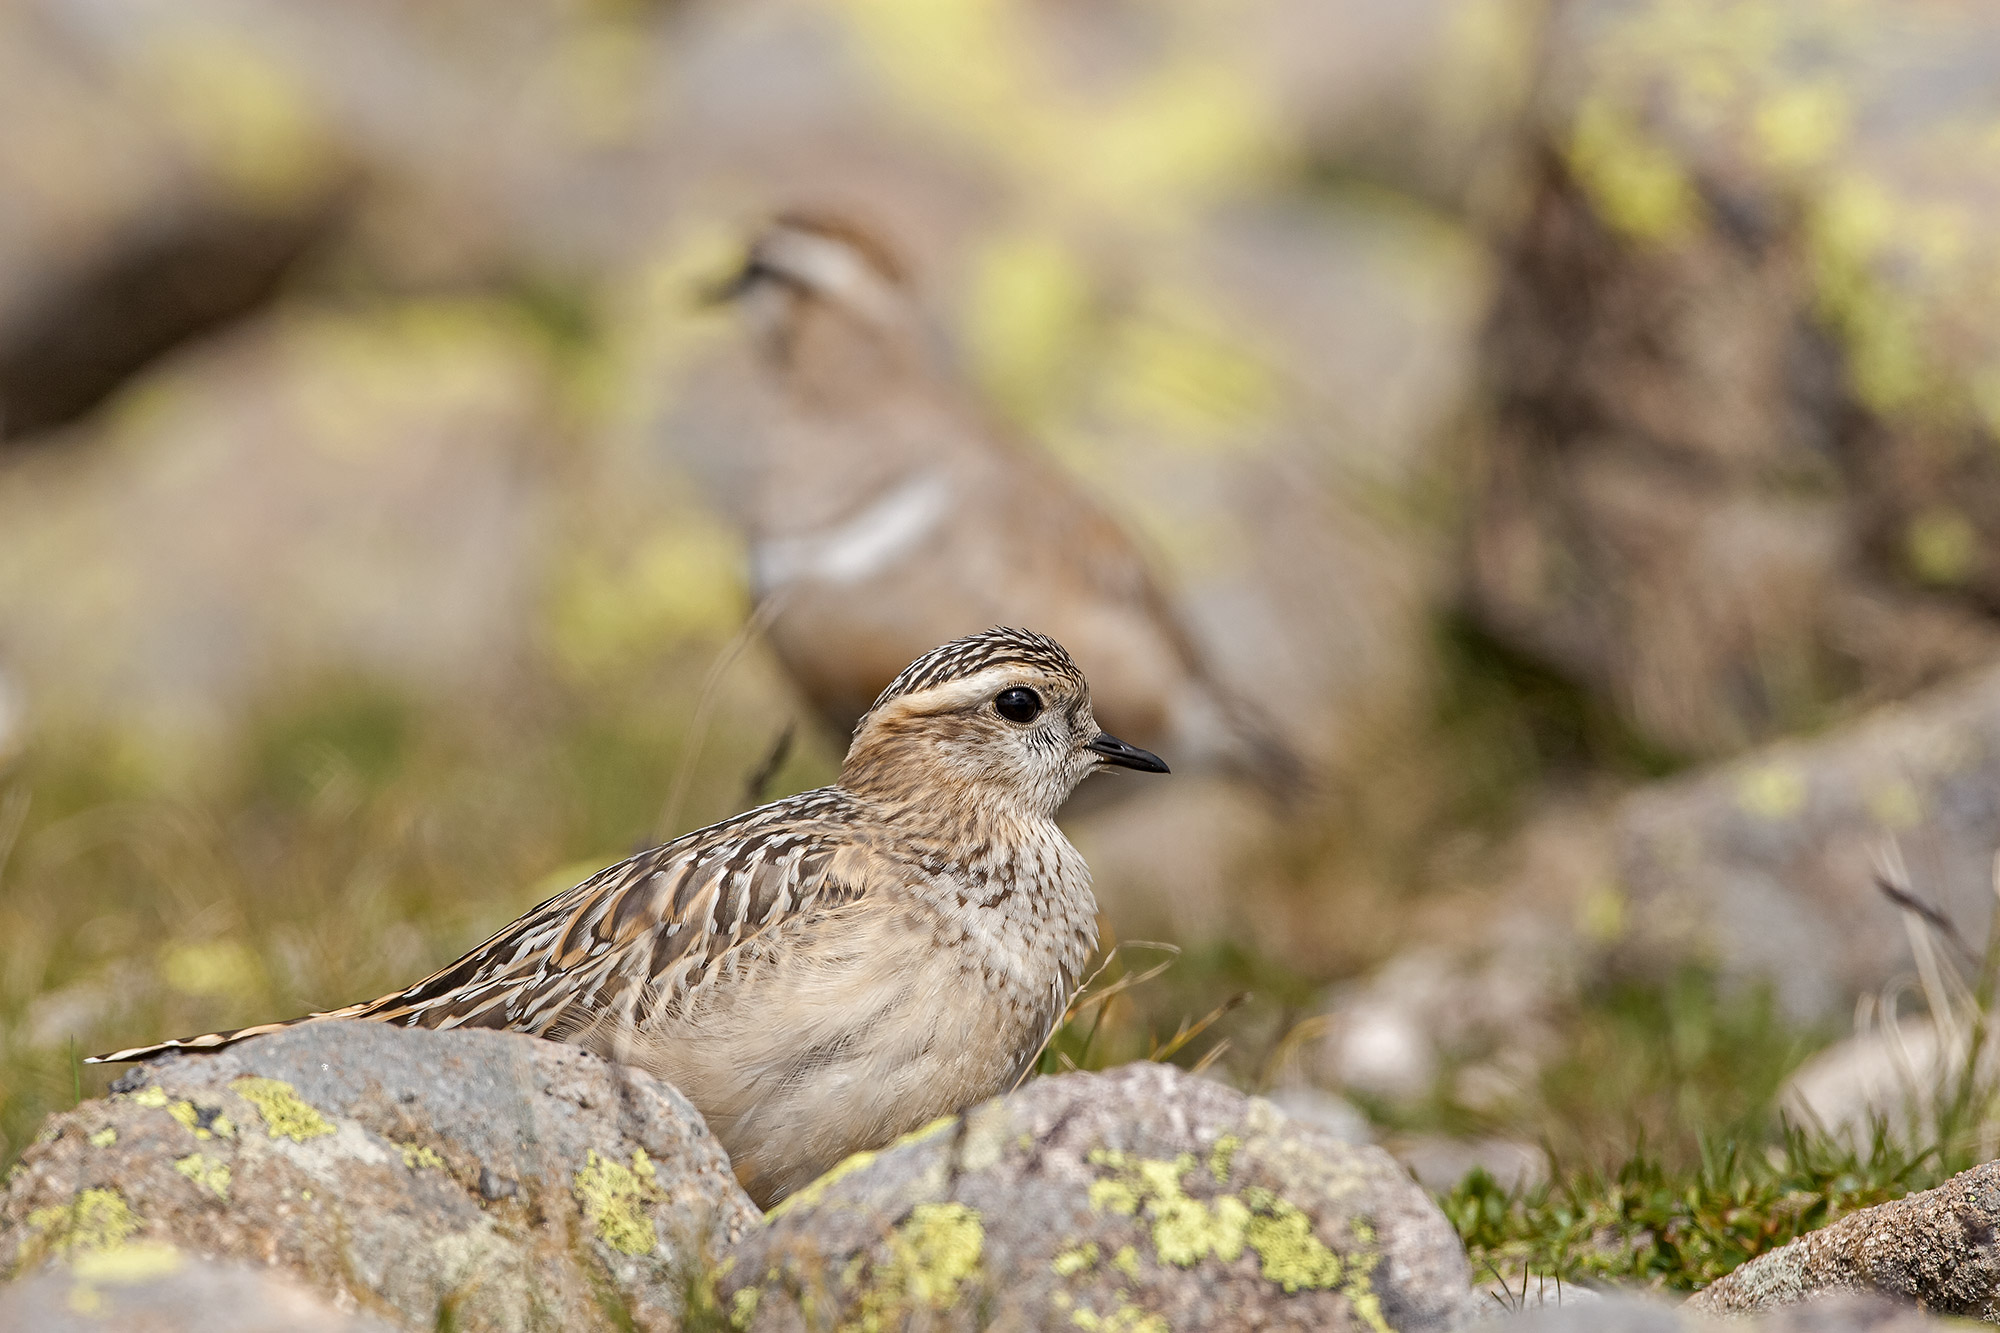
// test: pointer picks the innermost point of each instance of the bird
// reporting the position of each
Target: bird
(887, 510)
(827, 972)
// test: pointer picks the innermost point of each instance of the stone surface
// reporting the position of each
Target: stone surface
(1439, 1161)
(157, 1290)
(331, 495)
(1888, 1072)
(1936, 1247)
(1628, 1314)
(1143, 1198)
(514, 1181)
(1766, 867)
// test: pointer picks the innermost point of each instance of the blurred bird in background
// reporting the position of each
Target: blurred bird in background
(891, 512)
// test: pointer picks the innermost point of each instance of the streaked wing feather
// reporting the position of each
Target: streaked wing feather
(647, 927)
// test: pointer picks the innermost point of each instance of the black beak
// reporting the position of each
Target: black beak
(1118, 752)
(724, 290)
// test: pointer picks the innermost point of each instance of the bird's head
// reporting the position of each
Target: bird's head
(1000, 721)
(807, 268)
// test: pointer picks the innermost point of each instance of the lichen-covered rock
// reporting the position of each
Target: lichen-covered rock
(1936, 1248)
(1743, 404)
(513, 1182)
(154, 1289)
(1141, 1199)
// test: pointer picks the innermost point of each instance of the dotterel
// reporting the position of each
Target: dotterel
(834, 969)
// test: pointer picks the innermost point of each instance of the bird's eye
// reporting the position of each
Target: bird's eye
(1019, 704)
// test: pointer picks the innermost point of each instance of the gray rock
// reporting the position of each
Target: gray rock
(393, 539)
(1143, 1198)
(1890, 1072)
(1439, 1161)
(517, 1182)
(158, 1290)
(1766, 867)
(1935, 1247)
(1332, 1115)
(1737, 424)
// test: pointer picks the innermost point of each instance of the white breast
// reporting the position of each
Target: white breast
(859, 547)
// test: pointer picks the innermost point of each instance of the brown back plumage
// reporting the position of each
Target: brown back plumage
(568, 960)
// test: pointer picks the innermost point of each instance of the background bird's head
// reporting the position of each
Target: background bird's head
(818, 287)
(999, 720)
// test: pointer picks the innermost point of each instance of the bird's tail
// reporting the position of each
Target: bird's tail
(215, 1041)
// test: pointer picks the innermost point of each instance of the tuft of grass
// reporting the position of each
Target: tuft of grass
(1652, 1221)
(1645, 1223)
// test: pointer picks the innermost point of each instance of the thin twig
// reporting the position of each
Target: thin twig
(761, 779)
(1929, 913)
(711, 688)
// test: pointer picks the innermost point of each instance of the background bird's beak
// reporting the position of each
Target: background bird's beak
(721, 291)
(1118, 752)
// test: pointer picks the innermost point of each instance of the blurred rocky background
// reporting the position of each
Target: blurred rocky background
(1573, 424)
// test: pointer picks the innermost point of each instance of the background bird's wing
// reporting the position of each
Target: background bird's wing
(648, 926)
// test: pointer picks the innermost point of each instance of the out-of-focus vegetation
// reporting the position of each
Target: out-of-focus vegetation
(1644, 1223)
(353, 843)
(1725, 1178)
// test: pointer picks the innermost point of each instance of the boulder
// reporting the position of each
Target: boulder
(323, 496)
(154, 1289)
(1766, 867)
(1739, 468)
(500, 1181)
(1935, 1248)
(143, 207)
(1142, 1198)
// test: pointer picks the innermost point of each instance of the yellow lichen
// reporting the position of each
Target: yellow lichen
(1185, 1230)
(1125, 1318)
(853, 1162)
(152, 1096)
(104, 1138)
(191, 1120)
(743, 1308)
(932, 1254)
(205, 1172)
(1220, 1156)
(1297, 1260)
(1075, 1260)
(97, 1219)
(1293, 1257)
(416, 1156)
(1126, 1261)
(286, 1115)
(1635, 182)
(1113, 1196)
(1773, 790)
(814, 1192)
(614, 1199)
